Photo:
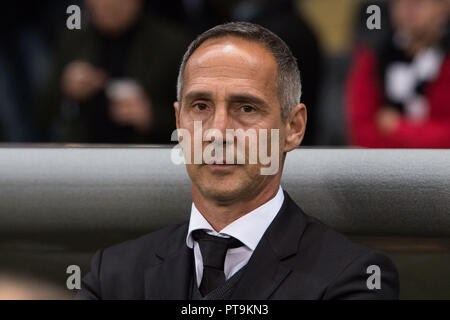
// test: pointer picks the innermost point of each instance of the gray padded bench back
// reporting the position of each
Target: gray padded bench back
(369, 192)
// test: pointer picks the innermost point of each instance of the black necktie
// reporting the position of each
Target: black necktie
(214, 250)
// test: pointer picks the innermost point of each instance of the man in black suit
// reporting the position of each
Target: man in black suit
(246, 238)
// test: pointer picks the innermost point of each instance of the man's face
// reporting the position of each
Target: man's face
(231, 83)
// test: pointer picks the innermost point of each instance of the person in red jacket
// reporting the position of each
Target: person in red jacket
(399, 95)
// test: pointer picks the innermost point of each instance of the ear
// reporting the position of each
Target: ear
(176, 106)
(295, 127)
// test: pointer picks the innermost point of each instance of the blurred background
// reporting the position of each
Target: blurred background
(113, 81)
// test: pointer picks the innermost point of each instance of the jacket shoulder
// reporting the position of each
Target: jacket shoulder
(145, 247)
(118, 272)
(343, 267)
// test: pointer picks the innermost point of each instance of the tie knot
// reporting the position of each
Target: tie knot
(213, 248)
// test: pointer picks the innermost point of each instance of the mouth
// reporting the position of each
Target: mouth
(221, 166)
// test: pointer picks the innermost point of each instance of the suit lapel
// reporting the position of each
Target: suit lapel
(265, 269)
(170, 278)
(263, 275)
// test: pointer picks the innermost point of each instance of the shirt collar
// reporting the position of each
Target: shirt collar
(248, 229)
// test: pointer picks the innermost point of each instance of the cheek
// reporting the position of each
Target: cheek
(193, 172)
(184, 119)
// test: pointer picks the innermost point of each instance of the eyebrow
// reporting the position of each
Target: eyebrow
(194, 95)
(241, 97)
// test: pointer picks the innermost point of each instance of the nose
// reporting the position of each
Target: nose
(221, 120)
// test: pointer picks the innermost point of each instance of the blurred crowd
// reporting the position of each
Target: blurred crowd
(113, 81)
(398, 91)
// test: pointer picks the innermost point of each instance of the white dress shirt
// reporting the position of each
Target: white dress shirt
(248, 229)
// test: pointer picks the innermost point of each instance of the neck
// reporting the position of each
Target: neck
(220, 214)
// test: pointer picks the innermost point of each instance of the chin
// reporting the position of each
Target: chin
(222, 192)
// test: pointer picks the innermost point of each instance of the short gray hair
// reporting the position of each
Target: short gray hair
(288, 83)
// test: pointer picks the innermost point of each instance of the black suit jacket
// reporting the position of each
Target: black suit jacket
(298, 257)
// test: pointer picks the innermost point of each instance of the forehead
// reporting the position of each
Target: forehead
(232, 60)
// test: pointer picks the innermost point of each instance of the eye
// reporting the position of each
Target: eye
(200, 106)
(247, 109)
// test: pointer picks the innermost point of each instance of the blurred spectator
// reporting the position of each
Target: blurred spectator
(399, 93)
(114, 80)
(24, 61)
